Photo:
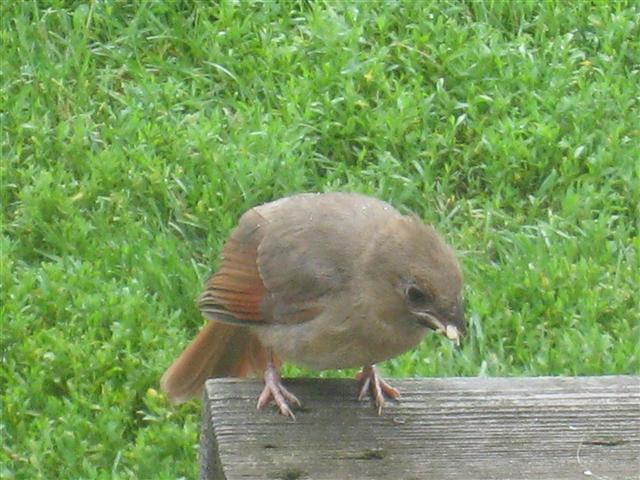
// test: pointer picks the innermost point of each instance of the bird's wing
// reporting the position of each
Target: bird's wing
(283, 262)
(287, 258)
(234, 293)
(302, 258)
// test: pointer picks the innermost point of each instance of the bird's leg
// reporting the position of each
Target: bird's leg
(375, 386)
(273, 389)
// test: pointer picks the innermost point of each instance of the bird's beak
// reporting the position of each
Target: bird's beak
(451, 324)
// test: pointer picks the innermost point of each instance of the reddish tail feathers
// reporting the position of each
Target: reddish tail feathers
(219, 350)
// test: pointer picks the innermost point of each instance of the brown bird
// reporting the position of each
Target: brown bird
(327, 281)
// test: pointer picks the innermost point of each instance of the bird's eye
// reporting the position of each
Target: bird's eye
(417, 296)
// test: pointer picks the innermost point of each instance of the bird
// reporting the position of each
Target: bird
(326, 281)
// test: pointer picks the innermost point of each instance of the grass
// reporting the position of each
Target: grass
(135, 133)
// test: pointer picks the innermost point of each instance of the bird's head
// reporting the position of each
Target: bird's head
(429, 278)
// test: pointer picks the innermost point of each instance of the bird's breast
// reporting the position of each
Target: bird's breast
(342, 338)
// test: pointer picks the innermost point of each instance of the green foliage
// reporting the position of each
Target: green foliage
(135, 133)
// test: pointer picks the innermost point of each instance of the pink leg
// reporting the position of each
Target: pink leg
(375, 386)
(274, 390)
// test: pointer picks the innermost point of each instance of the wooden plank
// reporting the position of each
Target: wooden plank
(443, 428)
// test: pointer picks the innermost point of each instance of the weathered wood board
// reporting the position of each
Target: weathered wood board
(443, 428)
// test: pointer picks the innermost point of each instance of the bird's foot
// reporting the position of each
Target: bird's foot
(274, 390)
(375, 386)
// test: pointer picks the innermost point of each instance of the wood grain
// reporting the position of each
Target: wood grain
(454, 428)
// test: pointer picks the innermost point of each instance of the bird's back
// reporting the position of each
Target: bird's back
(310, 246)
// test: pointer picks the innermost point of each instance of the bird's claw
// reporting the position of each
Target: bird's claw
(374, 385)
(274, 390)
